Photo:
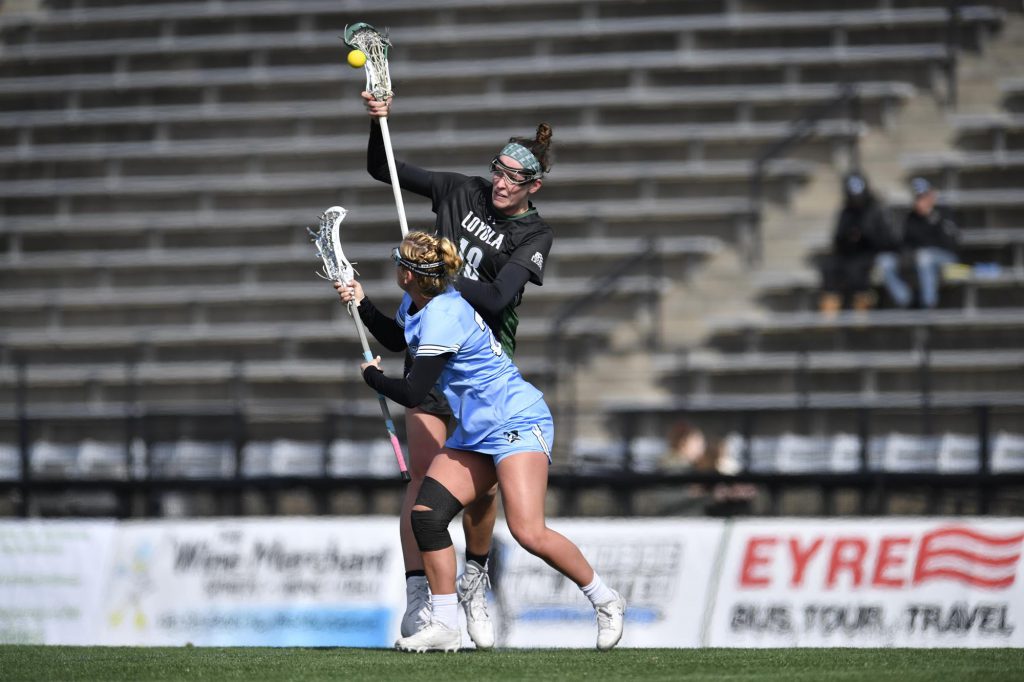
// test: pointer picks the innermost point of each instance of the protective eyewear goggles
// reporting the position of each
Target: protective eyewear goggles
(429, 269)
(514, 176)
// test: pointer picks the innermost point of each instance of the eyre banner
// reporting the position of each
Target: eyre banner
(871, 582)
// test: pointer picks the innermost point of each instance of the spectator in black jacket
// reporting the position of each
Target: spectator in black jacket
(862, 232)
(929, 242)
(932, 237)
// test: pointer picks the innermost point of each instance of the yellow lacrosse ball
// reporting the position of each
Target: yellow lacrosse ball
(356, 58)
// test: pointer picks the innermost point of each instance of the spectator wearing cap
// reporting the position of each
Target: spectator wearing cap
(930, 240)
(862, 232)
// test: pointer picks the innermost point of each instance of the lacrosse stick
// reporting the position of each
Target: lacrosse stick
(365, 38)
(337, 268)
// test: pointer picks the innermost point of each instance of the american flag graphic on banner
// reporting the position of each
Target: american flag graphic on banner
(966, 555)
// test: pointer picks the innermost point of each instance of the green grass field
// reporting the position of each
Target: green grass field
(353, 665)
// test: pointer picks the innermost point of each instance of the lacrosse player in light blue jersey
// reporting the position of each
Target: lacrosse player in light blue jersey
(504, 434)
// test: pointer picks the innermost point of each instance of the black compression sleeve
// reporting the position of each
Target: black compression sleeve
(383, 328)
(490, 298)
(412, 178)
(413, 389)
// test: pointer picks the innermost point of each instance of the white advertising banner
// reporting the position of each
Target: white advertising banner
(51, 580)
(256, 582)
(661, 567)
(956, 582)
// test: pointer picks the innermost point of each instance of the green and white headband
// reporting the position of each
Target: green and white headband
(523, 155)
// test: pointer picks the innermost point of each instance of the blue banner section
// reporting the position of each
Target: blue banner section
(286, 626)
(567, 614)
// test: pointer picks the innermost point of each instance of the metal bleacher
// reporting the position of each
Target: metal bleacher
(161, 160)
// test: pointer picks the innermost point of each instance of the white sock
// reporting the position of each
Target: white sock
(445, 609)
(597, 592)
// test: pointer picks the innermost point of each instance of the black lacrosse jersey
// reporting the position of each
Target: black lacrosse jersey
(488, 240)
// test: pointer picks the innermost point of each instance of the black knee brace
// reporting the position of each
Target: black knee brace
(431, 526)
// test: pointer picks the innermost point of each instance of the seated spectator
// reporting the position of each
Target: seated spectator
(689, 449)
(862, 232)
(930, 241)
(686, 446)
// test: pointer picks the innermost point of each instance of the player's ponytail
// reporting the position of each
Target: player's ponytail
(433, 260)
(452, 261)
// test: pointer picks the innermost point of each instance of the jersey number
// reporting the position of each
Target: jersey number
(495, 346)
(472, 257)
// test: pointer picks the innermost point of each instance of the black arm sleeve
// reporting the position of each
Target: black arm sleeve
(490, 298)
(413, 389)
(383, 328)
(412, 178)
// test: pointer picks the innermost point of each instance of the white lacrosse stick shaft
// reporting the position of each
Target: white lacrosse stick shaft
(396, 189)
(378, 82)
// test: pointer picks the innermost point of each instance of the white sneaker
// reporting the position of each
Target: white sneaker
(417, 606)
(434, 637)
(472, 589)
(610, 617)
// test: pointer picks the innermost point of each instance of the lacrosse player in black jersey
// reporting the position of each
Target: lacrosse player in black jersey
(505, 244)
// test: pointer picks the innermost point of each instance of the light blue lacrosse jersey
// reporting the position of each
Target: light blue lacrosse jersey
(483, 387)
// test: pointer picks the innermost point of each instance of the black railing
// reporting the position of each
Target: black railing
(952, 53)
(138, 421)
(846, 103)
(874, 484)
(226, 421)
(139, 493)
(24, 436)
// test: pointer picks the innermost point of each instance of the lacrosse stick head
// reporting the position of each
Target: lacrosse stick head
(327, 240)
(375, 45)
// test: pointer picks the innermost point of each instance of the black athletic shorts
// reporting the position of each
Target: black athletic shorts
(436, 404)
